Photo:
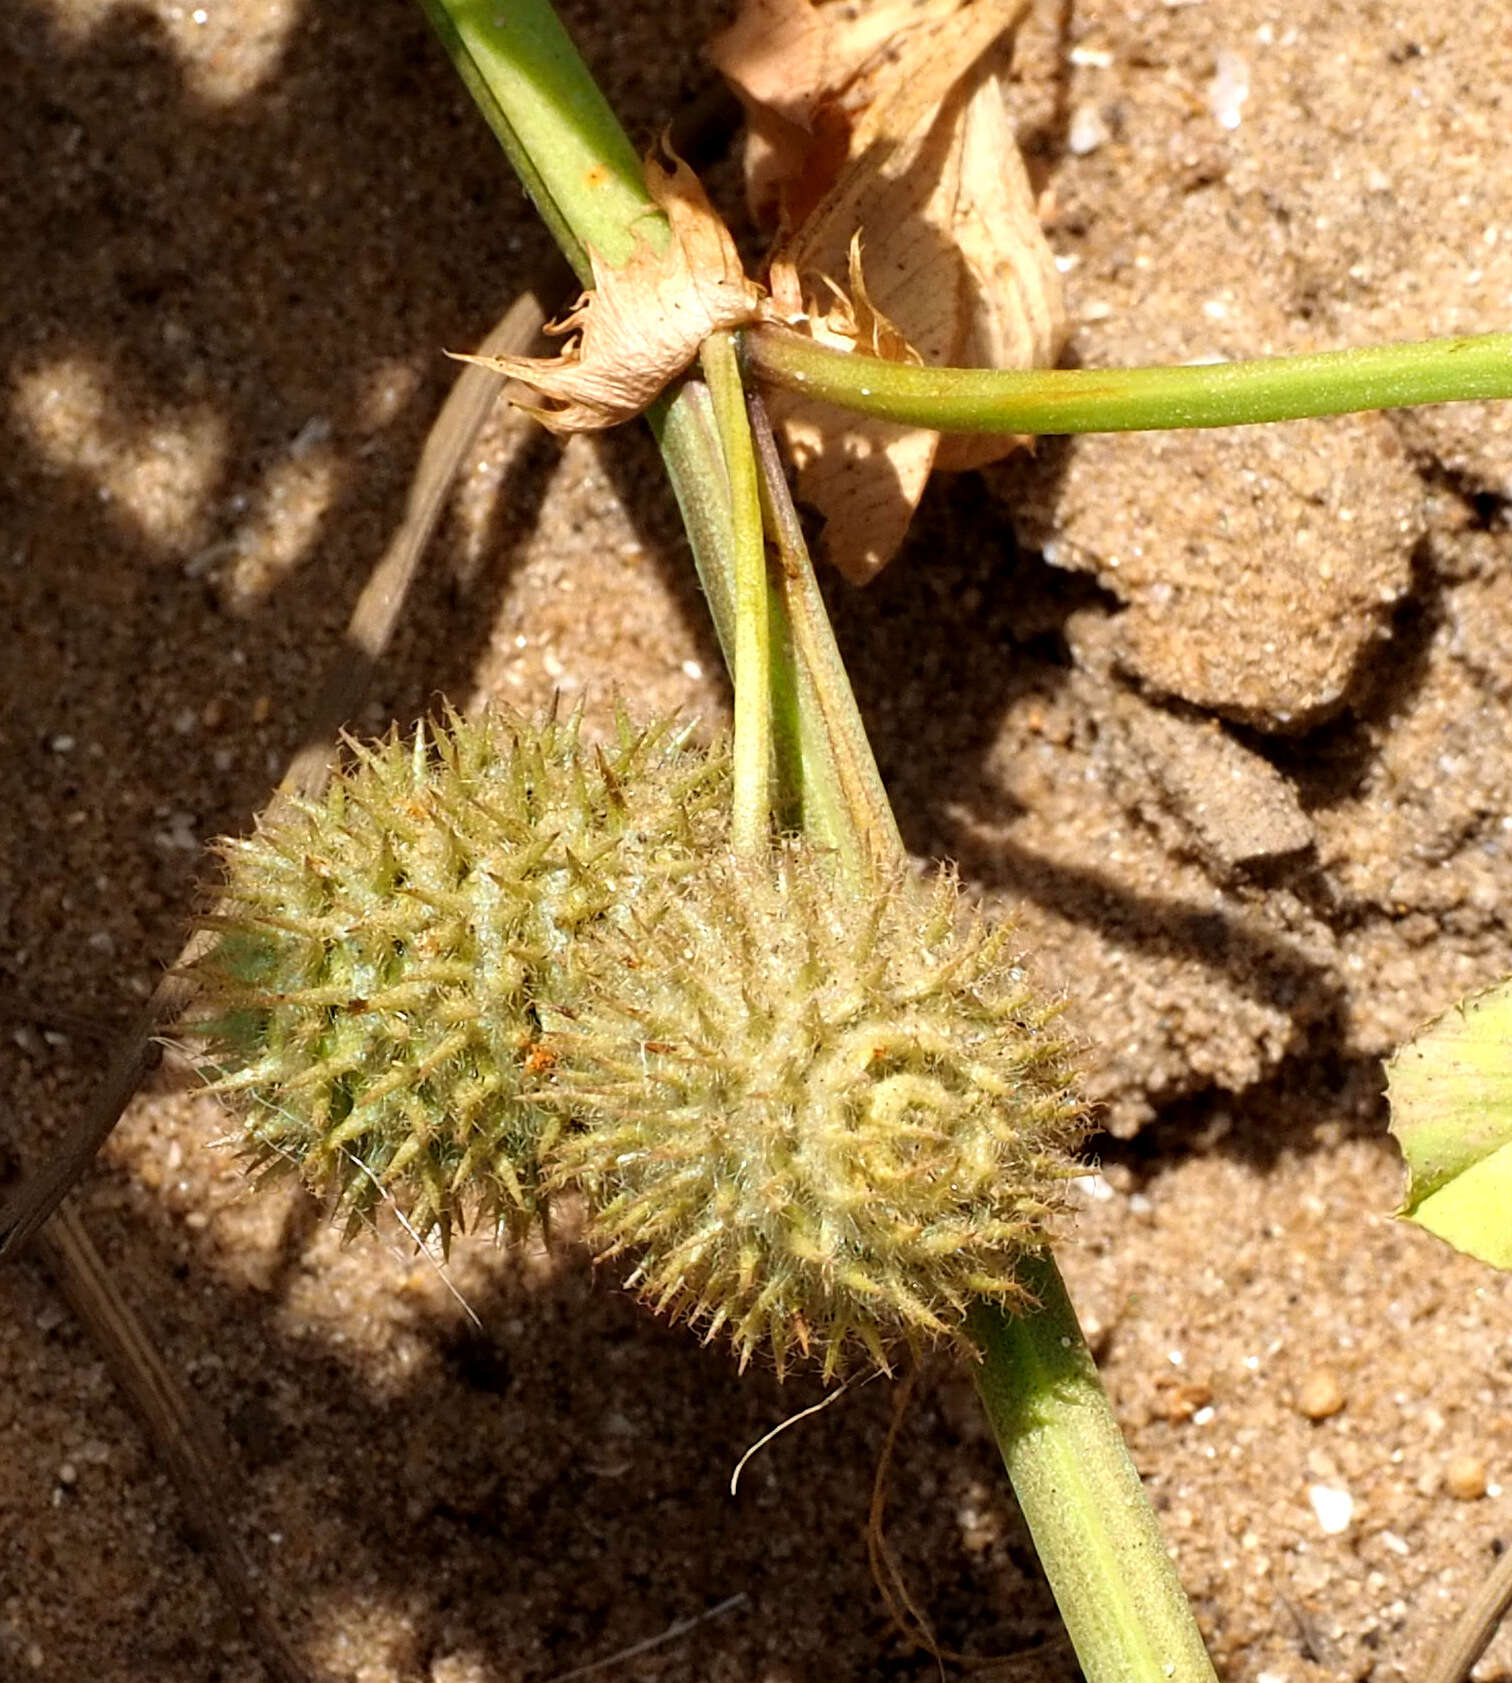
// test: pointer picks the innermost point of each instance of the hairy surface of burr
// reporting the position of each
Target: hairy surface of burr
(370, 1004)
(818, 1123)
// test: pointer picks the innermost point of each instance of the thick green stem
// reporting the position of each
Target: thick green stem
(1048, 401)
(1096, 1532)
(751, 817)
(566, 145)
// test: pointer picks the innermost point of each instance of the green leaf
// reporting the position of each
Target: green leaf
(1451, 1113)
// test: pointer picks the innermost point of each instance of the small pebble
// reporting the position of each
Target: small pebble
(30, 1042)
(317, 429)
(1320, 1394)
(1088, 130)
(1334, 1508)
(1465, 1478)
(1229, 89)
(1179, 1401)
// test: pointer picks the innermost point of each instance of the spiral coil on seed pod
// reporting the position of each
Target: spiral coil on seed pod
(817, 1123)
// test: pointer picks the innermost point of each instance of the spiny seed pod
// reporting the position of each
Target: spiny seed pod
(820, 1123)
(370, 1003)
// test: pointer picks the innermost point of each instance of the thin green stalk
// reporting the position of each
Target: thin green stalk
(523, 70)
(686, 432)
(529, 81)
(1049, 401)
(1092, 1523)
(750, 819)
(843, 803)
(683, 425)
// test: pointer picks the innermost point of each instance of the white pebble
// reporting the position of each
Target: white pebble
(1334, 1508)
(1087, 130)
(1228, 89)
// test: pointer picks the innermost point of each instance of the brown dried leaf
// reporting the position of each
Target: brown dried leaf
(926, 169)
(774, 56)
(801, 71)
(640, 325)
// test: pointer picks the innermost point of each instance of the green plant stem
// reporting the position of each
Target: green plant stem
(566, 145)
(687, 434)
(1048, 401)
(1096, 1532)
(750, 819)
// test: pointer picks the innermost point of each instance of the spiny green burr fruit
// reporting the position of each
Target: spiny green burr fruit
(370, 1001)
(819, 1122)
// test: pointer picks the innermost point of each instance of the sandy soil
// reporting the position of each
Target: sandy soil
(1225, 717)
